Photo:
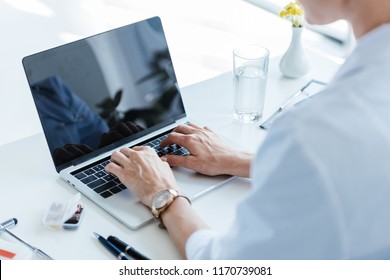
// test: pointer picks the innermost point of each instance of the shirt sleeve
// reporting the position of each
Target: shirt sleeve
(199, 244)
(292, 213)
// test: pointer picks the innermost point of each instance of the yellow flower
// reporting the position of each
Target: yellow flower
(293, 12)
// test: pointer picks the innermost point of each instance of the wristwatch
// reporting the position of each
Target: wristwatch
(163, 200)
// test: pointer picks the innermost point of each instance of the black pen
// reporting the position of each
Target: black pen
(110, 247)
(127, 248)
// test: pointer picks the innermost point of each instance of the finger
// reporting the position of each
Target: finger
(119, 158)
(194, 125)
(184, 129)
(175, 138)
(164, 159)
(142, 148)
(113, 168)
(201, 128)
(126, 151)
(134, 154)
(146, 150)
(183, 161)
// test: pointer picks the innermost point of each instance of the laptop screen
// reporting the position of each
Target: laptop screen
(94, 93)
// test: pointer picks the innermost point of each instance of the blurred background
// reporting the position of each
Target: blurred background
(201, 36)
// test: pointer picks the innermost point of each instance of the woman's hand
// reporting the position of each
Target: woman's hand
(209, 155)
(142, 171)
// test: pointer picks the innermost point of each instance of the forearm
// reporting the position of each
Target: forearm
(181, 221)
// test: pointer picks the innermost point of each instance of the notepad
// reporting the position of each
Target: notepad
(298, 98)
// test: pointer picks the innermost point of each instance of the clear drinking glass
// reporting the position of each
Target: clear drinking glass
(250, 66)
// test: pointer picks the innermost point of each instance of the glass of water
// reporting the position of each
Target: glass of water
(250, 66)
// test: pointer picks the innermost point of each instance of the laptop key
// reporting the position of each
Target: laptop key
(109, 177)
(98, 167)
(115, 189)
(106, 194)
(185, 151)
(104, 187)
(100, 174)
(179, 153)
(80, 175)
(89, 171)
(96, 183)
(89, 179)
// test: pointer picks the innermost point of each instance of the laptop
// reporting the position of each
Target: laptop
(111, 90)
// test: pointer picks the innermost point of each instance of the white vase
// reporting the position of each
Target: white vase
(294, 62)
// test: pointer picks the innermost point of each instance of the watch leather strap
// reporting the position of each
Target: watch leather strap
(161, 224)
(157, 215)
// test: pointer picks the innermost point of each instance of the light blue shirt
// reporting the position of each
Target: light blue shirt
(321, 179)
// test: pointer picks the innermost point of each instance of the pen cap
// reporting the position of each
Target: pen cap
(117, 242)
(127, 248)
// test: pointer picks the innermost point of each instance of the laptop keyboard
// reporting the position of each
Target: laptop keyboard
(105, 184)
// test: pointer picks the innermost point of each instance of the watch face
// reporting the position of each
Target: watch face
(163, 198)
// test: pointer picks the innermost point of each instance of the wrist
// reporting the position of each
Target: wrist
(175, 208)
(239, 164)
(163, 200)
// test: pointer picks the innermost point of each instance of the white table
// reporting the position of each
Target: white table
(30, 183)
